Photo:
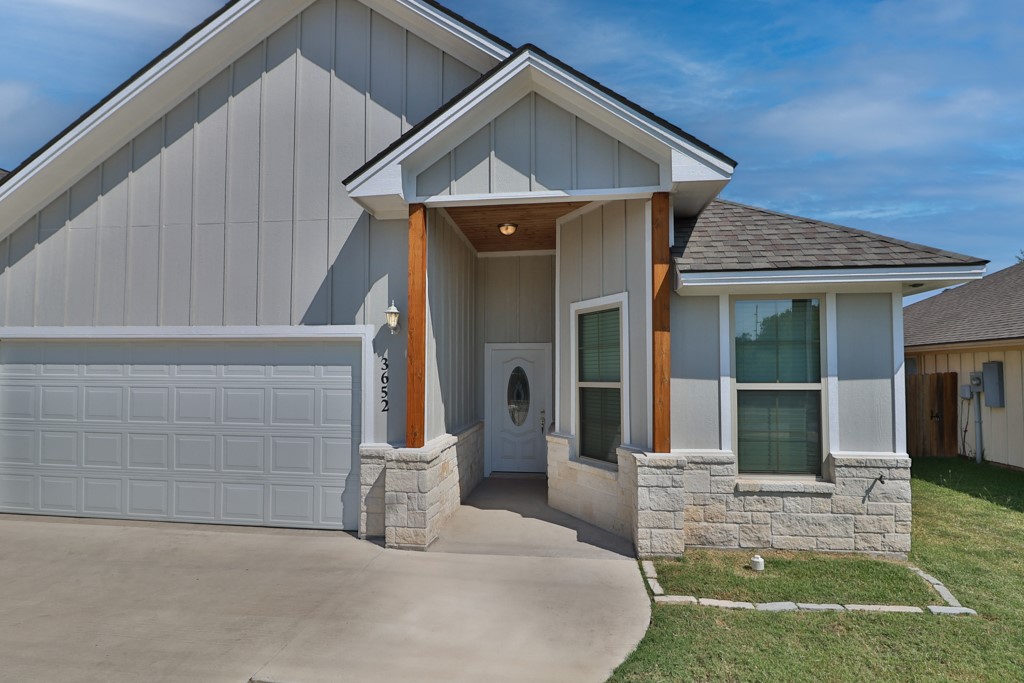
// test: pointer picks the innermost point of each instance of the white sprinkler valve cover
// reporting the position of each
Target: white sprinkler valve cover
(757, 563)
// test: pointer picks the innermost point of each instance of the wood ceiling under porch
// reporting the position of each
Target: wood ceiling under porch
(535, 225)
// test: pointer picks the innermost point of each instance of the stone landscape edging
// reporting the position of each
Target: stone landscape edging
(951, 608)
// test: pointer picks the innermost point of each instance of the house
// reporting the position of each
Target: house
(3, 174)
(978, 328)
(329, 264)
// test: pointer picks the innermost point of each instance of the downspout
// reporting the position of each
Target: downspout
(978, 441)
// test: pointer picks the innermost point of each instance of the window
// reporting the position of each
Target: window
(778, 386)
(599, 383)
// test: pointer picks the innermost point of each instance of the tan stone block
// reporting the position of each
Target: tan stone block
(667, 542)
(792, 524)
(752, 536)
(874, 524)
(903, 527)
(807, 504)
(403, 481)
(715, 535)
(903, 512)
(668, 500)
(794, 543)
(693, 513)
(896, 543)
(698, 481)
(723, 484)
(762, 503)
(848, 505)
(738, 517)
(869, 542)
(760, 518)
(715, 512)
(835, 544)
(655, 520)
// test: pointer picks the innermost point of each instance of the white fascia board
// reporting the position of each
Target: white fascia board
(143, 101)
(829, 276)
(267, 332)
(545, 197)
(469, 46)
(530, 72)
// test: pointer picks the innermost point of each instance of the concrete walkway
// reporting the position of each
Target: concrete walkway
(116, 601)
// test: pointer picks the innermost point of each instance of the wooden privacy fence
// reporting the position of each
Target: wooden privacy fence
(932, 418)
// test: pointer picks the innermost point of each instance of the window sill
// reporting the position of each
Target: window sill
(806, 485)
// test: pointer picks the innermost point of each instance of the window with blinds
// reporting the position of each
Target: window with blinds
(778, 386)
(599, 383)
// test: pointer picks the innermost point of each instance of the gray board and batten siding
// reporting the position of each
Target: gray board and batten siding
(601, 253)
(230, 208)
(535, 146)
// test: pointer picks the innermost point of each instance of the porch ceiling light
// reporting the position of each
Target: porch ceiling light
(508, 229)
(391, 316)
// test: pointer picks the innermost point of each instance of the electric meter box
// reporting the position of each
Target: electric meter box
(993, 373)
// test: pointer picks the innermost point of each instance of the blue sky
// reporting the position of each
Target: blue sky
(904, 117)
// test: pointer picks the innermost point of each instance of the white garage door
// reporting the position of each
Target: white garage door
(254, 433)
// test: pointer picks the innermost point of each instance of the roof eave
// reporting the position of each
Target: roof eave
(912, 279)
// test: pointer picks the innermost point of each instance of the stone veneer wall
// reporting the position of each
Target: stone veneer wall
(865, 506)
(665, 502)
(408, 494)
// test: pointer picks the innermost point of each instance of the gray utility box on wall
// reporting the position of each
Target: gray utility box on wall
(993, 373)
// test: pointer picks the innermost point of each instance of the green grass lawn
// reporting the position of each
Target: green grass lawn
(797, 577)
(968, 531)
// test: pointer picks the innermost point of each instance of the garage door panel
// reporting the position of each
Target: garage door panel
(17, 447)
(103, 450)
(195, 452)
(103, 404)
(59, 449)
(197, 500)
(243, 503)
(148, 451)
(103, 496)
(59, 403)
(243, 453)
(18, 403)
(58, 494)
(148, 498)
(256, 434)
(196, 405)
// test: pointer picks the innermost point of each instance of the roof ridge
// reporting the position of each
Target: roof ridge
(228, 4)
(856, 231)
(521, 50)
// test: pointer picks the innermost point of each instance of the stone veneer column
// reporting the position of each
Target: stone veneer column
(660, 504)
(371, 490)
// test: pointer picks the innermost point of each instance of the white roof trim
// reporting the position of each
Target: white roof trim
(386, 178)
(153, 92)
(828, 276)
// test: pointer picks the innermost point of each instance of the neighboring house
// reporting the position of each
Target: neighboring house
(962, 330)
(196, 276)
(3, 174)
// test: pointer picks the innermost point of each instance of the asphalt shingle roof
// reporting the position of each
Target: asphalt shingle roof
(984, 310)
(735, 237)
(3, 173)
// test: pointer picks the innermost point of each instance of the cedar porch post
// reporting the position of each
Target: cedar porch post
(662, 347)
(416, 351)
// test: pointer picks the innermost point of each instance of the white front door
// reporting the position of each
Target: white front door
(518, 410)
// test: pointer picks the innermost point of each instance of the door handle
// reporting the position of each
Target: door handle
(543, 422)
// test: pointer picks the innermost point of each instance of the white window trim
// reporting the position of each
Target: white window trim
(829, 376)
(604, 303)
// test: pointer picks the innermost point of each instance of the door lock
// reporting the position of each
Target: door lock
(543, 422)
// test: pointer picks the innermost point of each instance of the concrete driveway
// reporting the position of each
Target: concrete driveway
(121, 601)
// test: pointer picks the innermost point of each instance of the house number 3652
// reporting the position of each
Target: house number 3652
(385, 402)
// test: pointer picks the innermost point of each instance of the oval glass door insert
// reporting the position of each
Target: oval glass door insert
(518, 396)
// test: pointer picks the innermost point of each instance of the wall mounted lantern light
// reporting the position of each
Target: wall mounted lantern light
(508, 229)
(391, 316)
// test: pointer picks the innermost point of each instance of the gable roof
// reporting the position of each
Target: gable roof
(729, 237)
(3, 174)
(986, 310)
(248, 19)
(481, 82)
